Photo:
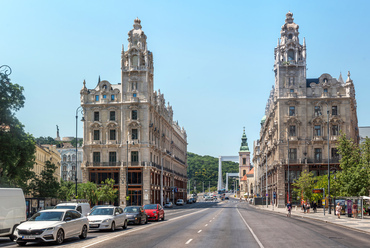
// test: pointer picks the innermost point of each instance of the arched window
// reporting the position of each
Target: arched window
(290, 36)
(244, 171)
(290, 55)
(134, 60)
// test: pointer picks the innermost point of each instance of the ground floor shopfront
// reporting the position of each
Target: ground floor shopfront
(277, 181)
(144, 183)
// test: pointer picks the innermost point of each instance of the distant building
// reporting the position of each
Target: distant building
(129, 129)
(46, 153)
(245, 183)
(300, 110)
(364, 133)
(69, 166)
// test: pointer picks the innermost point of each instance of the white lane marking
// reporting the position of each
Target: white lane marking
(137, 229)
(206, 225)
(187, 242)
(250, 229)
(210, 221)
(199, 231)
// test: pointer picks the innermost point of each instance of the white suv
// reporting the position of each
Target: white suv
(180, 202)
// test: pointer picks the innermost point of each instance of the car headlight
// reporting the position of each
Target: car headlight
(105, 221)
(50, 229)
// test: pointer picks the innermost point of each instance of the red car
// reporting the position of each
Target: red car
(154, 211)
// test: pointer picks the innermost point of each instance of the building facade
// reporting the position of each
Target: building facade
(245, 167)
(69, 166)
(130, 134)
(303, 120)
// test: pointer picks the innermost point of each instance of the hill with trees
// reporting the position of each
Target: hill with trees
(205, 169)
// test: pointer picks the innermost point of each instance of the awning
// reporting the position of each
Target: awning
(365, 197)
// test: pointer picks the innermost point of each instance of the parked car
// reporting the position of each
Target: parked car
(189, 201)
(154, 211)
(82, 207)
(168, 205)
(180, 202)
(108, 217)
(53, 225)
(12, 211)
(98, 206)
(136, 215)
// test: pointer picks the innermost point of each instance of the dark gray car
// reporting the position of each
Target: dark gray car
(136, 215)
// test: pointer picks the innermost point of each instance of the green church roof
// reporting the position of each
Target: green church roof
(244, 146)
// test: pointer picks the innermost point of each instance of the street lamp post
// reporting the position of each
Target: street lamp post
(327, 111)
(77, 141)
(287, 133)
(266, 182)
(127, 196)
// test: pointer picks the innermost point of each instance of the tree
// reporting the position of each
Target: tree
(73, 142)
(89, 192)
(106, 192)
(304, 185)
(353, 179)
(47, 141)
(17, 148)
(46, 185)
(66, 190)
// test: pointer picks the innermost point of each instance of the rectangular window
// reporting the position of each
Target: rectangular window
(335, 154)
(134, 134)
(112, 115)
(134, 156)
(318, 155)
(317, 111)
(244, 160)
(112, 157)
(292, 153)
(326, 90)
(96, 116)
(334, 130)
(96, 157)
(96, 135)
(292, 131)
(112, 97)
(134, 85)
(112, 134)
(291, 111)
(97, 98)
(291, 90)
(105, 96)
(334, 110)
(317, 130)
(134, 114)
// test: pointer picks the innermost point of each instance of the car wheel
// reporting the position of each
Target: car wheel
(163, 217)
(21, 243)
(125, 225)
(113, 226)
(83, 233)
(60, 237)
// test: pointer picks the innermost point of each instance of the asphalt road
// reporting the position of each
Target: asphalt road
(221, 224)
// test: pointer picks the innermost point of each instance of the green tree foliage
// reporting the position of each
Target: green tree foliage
(46, 185)
(205, 169)
(304, 185)
(80, 141)
(17, 148)
(47, 141)
(353, 179)
(66, 190)
(106, 192)
(88, 191)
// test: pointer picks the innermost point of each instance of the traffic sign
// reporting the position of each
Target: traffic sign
(318, 191)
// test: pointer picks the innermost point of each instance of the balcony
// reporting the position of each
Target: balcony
(103, 164)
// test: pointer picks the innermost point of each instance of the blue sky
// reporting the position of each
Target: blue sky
(213, 60)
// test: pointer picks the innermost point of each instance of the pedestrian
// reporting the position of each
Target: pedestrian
(338, 209)
(304, 207)
(314, 207)
(308, 207)
(289, 207)
(354, 210)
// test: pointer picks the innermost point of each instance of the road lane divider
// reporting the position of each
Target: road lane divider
(250, 229)
(188, 242)
(199, 231)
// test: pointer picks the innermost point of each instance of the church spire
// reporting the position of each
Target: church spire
(244, 146)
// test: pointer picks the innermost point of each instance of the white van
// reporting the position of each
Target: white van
(82, 207)
(12, 210)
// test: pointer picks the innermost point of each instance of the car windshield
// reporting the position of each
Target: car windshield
(47, 216)
(65, 207)
(102, 211)
(150, 206)
(131, 210)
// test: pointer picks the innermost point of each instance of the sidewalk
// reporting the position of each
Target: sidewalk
(362, 225)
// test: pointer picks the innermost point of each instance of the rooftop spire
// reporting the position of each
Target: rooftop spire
(244, 146)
